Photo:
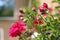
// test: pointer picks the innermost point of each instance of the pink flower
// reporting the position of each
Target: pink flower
(43, 7)
(16, 29)
(59, 11)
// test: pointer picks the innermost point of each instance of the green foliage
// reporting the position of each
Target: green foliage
(29, 16)
(50, 27)
(48, 30)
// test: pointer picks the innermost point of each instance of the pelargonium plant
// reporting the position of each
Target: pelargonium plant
(38, 20)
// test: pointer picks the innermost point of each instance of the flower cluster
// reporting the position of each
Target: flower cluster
(43, 8)
(16, 29)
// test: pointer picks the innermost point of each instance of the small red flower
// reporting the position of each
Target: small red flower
(35, 21)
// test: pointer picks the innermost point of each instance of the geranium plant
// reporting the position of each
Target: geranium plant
(38, 20)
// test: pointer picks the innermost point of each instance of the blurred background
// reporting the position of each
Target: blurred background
(9, 14)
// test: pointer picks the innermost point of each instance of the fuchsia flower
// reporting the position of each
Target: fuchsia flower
(45, 5)
(43, 8)
(16, 29)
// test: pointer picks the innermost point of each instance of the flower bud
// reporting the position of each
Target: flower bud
(21, 11)
(33, 9)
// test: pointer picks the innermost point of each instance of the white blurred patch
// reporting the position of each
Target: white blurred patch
(1, 34)
(35, 34)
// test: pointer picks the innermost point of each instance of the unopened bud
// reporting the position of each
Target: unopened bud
(21, 11)
(33, 9)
